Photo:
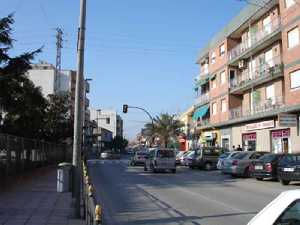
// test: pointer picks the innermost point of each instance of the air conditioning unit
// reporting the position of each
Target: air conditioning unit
(242, 64)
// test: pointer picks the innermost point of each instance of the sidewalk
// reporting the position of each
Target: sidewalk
(35, 202)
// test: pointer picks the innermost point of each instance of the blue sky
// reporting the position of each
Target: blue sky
(138, 52)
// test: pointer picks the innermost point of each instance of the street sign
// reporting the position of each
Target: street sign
(287, 120)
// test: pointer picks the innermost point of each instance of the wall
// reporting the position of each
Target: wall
(44, 79)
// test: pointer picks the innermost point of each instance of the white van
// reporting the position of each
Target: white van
(161, 159)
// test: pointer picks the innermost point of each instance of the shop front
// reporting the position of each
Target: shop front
(281, 140)
(249, 141)
(210, 138)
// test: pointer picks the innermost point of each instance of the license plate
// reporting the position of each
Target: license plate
(288, 169)
(258, 167)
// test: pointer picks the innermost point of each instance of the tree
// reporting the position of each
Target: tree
(58, 123)
(21, 101)
(119, 142)
(166, 127)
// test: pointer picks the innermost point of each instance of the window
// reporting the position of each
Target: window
(107, 120)
(289, 3)
(269, 58)
(213, 58)
(291, 215)
(214, 108)
(222, 50)
(223, 105)
(295, 79)
(267, 25)
(270, 94)
(213, 83)
(293, 37)
(223, 77)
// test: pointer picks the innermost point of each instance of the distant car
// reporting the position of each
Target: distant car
(224, 156)
(289, 168)
(106, 155)
(283, 210)
(139, 158)
(206, 157)
(188, 158)
(239, 165)
(181, 158)
(161, 159)
(266, 166)
(178, 157)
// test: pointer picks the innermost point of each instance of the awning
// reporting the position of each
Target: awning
(202, 81)
(200, 112)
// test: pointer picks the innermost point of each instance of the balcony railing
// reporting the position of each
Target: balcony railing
(270, 104)
(202, 99)
(255, 37)
(251, 75)
(200, 123)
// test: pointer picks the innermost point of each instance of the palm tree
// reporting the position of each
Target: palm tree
(165, 126)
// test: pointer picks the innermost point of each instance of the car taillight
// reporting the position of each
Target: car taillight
(268, 167)
(234, 162)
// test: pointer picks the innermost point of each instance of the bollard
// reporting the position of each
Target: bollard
(98, 214)
(87, 180)
(90, 190)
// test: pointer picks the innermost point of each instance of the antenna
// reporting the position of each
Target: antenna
(59, 46)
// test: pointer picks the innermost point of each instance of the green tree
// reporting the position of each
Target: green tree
(22, 102)
(119, 142)
(166, 127)
(58, 123)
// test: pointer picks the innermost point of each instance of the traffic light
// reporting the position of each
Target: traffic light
(125, 108)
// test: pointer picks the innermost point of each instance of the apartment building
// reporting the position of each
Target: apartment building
(248, 89)
(185, 139)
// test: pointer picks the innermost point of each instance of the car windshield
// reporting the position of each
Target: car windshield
(292, 158)
(224, 155)
(190, 154)
(268, 157)
(165, 153)
(240, 155)
(180, 154)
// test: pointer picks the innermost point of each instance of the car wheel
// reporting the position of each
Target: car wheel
(207, 166)
(284, 182)
(173, 170)
(145, 169)
(259, 178)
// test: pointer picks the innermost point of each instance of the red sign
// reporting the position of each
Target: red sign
(249, 136)
(284, 133)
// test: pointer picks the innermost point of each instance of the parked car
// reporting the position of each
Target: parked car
(206, 157)
(283, 210)
(139, 158)
(266, 166)
(161, 159)
(289, 168)
(106, 155)
(187, 158)
(183, 156)
(179, 156)
(239, 165)
(224, 156)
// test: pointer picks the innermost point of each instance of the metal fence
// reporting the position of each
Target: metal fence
(18, 154)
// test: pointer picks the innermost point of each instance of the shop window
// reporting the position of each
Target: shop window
(214, 108)
(222, 50)
(293, 37)
(223, 77)
(289, 3)
(295, 79)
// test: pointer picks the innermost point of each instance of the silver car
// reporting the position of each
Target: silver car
(161, 159)
(239, 164)
(225, 156)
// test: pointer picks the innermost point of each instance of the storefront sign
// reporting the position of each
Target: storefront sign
(249, 136)
(287, 120)
(260, 125)
(283, 133)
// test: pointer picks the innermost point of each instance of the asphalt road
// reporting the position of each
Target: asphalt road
(131, 196)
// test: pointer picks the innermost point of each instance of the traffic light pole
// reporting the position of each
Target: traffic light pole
(144, 110)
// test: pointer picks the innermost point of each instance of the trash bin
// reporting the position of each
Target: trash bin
(64, 177)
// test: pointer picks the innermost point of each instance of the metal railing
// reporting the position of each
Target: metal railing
(273, 103)
(255, 37)
(201, 99)
(264, 70)
(18, 154)
(200, 123)
(92, 210)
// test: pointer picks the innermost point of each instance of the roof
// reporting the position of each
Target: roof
(245, 14)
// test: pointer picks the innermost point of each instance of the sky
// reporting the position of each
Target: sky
(138, 52)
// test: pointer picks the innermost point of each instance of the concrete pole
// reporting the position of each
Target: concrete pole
(78, 107)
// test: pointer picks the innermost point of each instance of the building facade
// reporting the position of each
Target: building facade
(248, 90)
(108, 119)
(186, 139)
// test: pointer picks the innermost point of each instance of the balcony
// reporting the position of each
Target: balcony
(251, 77)
(259, 38)
(199, 123)
(267, 105)
(202, 99)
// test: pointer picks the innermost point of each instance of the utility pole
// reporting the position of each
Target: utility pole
(78, 125)
(59, 46)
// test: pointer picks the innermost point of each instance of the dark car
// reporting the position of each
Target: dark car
(289, 168)
(206, 157)
(266, 166)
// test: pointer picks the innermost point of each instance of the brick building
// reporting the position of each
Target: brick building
(248, 90)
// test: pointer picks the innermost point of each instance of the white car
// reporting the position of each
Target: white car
(223, 157)
(283, 210)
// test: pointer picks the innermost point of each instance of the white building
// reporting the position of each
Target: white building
(108, 119)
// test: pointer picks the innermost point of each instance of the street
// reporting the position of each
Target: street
(131, 196)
